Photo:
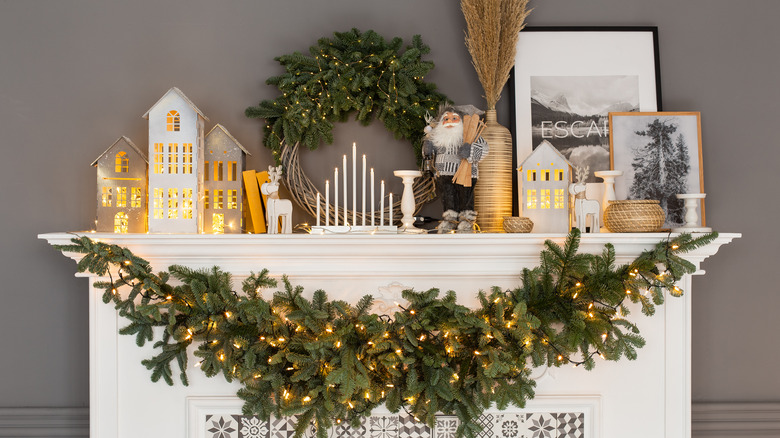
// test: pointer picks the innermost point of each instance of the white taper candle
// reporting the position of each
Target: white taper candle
(327, 203)
(363, 211)
(354, 184)
(346, 200)
(336, 195)
(318, 209)
(372, 196)
(390, 211)
(382, 203)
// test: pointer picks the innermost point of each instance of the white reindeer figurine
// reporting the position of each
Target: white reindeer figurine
(276, 208)
(584, 207)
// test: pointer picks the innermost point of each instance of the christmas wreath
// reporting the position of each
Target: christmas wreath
(356, 73)
(329, 361)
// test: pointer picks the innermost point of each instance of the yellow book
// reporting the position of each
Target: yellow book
(256, 221)
(263, 177)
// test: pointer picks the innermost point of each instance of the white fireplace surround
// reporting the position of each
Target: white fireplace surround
(649, 397)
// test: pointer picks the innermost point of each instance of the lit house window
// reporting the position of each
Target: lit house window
(232, 165)
(136, 199)
(218, 223)
(546, 175)
(122, 163)
(206, 204)
(530, 199)
(173, 121)
(232, 199)
(218, 171)
(173, 158)
(158, 203)
(559, 200)
(545, 199)
(120, 223)
(159, 152)
(217, 200)
(173, 203)
(186, 159)
(106, 196)
(559, 174)
(531, 175)
(186, 203)
(121, 197)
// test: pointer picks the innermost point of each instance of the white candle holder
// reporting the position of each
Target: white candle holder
(609, 190)
(407, 200)
(691, 214)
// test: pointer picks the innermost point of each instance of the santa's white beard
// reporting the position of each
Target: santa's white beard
(445, 136)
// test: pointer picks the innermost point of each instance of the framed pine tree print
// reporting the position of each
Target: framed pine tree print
(660, 156)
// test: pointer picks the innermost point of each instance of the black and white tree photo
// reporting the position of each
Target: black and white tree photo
(653, 151)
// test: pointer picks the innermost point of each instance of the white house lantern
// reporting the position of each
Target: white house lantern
(544, 180)
(121, 188)
(225, 160)
(176, 139)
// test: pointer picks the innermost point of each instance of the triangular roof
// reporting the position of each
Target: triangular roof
(547, 145)
(183, 96)
(222, 128)
(128, 141)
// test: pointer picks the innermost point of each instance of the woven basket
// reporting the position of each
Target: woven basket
(515, 224)
(634, 216)
(304, 193)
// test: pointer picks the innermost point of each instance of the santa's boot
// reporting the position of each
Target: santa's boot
(449, 221)
(468, 221)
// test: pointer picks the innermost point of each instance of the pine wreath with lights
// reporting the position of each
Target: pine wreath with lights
(353, 72)
(329, 361)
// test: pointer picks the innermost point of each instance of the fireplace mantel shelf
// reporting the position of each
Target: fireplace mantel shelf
(607, 402)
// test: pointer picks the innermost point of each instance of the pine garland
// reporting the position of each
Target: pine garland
(353, 72)
(324, 361)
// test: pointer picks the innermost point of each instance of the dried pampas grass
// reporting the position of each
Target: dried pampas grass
(491, 38)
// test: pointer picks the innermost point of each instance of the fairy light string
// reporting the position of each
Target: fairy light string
(330, 361)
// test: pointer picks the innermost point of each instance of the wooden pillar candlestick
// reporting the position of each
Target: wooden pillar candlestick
(691, 215)
(407, 200)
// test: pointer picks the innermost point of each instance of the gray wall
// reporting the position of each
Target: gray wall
(75, 75)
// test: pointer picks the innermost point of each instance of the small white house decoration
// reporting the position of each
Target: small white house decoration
(223, 189)
(544, 181)
(176, 139)
(121, 188)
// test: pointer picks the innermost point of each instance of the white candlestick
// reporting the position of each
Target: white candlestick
(346, 201)
(382, 203)
(318, 209)
(336, 195)
(327, 203)
(372, 197)
(390, 211)
(354, 184)
(363, 211)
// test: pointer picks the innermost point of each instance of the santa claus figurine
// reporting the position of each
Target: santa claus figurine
(456, 153)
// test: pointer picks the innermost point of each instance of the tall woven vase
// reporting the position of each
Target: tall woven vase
(493, 192)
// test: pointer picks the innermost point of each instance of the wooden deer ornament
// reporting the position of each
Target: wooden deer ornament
(584, 207)
(276, 208)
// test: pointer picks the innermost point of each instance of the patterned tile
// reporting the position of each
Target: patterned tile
(571, 425)
(384, 426)
(253, 427)
(222, 426)
(411, 428)
(282, 427)
(541, 425)
(446, 427)
(344, 430)
(486, 421)
(509, 425)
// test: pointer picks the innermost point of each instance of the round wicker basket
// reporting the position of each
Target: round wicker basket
(634, 216)
(515, 224)
(304, 193)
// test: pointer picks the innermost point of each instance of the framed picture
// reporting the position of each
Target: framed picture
(566, 81)
(660, 156)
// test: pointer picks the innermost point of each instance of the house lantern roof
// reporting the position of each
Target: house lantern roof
(229, 135)
(180, 94)
(126, 140)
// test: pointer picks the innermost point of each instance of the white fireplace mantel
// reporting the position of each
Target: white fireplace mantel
(649, 397)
